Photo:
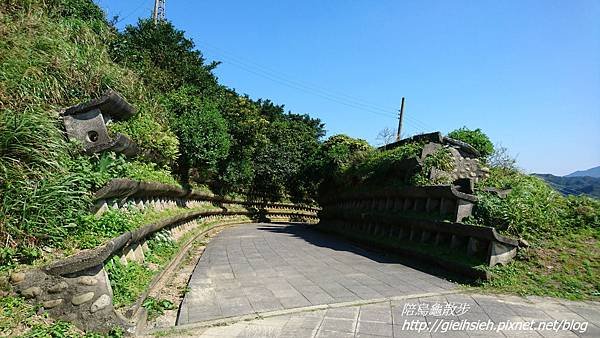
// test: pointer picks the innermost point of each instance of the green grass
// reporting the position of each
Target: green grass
(93, 231)
(128, 281)
(564, 266)
(564, 232)
(157, 307)
(54, 55)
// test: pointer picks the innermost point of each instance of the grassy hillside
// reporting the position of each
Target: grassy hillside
(191, 130)
(563, 259)
(54, 55)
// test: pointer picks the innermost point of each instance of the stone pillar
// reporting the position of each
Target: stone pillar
(463, 209)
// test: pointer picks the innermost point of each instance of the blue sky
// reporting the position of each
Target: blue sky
(526, 72)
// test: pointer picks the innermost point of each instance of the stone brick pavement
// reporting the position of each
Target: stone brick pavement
(255, 268)
(391, 318)
(269, 280)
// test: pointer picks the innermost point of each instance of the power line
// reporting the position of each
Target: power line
(341, 98)
(275, 78)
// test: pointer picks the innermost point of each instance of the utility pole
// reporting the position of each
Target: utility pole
(400, 120)
(159, 11)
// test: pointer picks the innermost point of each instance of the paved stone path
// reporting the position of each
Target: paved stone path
(389, 319)
(255, 268)
(306, 284)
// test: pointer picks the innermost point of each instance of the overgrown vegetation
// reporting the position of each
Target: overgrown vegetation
(565, 266)
(18, 318)
(345, 164)
(63, 52)
(194, 131)
(157, 307)
(532, 210)
(130, 280)
(477, 138)
(563, 259)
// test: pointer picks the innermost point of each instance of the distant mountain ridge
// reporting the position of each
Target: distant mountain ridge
(574, 185)
(592, 172)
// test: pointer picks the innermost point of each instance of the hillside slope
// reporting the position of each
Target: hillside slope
(575, 185)
(592, 172)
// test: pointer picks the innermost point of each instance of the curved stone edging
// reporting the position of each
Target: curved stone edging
(136, 310)
(123, 189)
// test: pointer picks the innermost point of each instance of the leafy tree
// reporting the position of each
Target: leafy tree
(476, 138)
(202, 131)
(164, 56)
(339, 151)
(280, 166)
(247, 129)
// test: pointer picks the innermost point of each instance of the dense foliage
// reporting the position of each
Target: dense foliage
(563, 259)
(478, 139)
(532, 209)
(345, 164)
(59, 53)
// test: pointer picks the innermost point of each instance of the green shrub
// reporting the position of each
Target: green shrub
(97, 170)
(442, 160)
(202, 131)
(156, 141)
(39, 197)
(128, 282)
(157, 307)
(93, 231)
(532, 209)
(164, 56)
(53, 56)
(162, 248)
(378, 168)
(475, 138)
(339, 152)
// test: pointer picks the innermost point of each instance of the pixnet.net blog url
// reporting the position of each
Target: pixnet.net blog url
(444, 325)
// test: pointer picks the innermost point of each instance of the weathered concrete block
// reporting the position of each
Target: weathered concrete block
(475, 246)
(87, 127)
(463, 209)
(425, 236)
(501, 253)
(441, 239)
(457, 242)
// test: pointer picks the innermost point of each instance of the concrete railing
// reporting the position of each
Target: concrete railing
(413, 218)
(77, 288)
(436, 201)
(122, 192)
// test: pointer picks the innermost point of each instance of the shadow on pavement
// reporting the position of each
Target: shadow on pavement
(311, 234)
